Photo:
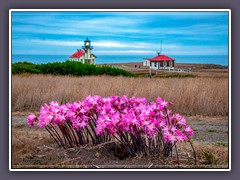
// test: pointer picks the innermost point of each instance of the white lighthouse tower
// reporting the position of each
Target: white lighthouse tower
(84, 55)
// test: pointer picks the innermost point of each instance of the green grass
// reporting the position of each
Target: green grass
(210, 157)
(223, 144)
(67, 68)
(212, 130)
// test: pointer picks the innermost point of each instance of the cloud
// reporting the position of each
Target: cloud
(117, 47)
(192, 30)
(116, 44)
(126, 52)
(139, 32)
(56, 42)
(102, 44)
(75, 25)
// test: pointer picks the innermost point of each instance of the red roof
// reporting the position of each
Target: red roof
(77, 54)
(161, 57)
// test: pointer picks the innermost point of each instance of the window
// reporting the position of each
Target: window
(146, 62)
(170, 63)
(155, 64)
(164, 63)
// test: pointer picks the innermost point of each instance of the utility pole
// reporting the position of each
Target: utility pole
(150, 73)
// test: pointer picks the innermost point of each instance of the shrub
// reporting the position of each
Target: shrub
(67, 68)
(24, 67)
(138, 126)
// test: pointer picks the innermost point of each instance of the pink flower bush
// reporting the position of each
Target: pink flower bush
(139, 126)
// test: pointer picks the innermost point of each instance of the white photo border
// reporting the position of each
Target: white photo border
(120, 10)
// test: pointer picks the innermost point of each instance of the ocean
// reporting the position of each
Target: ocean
(106, 59)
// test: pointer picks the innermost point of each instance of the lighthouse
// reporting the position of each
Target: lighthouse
(85, 54)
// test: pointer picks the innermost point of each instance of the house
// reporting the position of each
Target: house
(85, 54)
(160, 61)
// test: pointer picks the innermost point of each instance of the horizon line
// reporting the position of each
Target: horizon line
(130, 54)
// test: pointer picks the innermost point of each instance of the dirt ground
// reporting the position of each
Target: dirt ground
(33, 148)
(210, 130)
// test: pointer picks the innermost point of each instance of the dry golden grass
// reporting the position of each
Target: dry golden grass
(191, 96)
(212, 154)
(208, 155)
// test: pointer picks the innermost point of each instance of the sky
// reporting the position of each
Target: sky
(62, 33)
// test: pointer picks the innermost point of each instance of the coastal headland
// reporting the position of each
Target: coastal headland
(198, 91)
(183, 69)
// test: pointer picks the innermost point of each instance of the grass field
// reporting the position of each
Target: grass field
(191, 96)
(201, 95)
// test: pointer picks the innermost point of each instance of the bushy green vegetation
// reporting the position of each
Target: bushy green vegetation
(67, 68)
(24, 67)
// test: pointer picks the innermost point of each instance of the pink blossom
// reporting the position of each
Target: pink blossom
(31, 118)
(189, 131)
(117, 115)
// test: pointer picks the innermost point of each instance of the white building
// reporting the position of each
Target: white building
(85, 54)
(159, 62)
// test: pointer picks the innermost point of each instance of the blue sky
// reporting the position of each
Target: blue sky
(61, 33)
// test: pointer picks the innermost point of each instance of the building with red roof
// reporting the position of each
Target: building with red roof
(85, 54)
(160, 61)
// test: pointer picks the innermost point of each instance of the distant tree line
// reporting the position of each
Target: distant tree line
(67, 68)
